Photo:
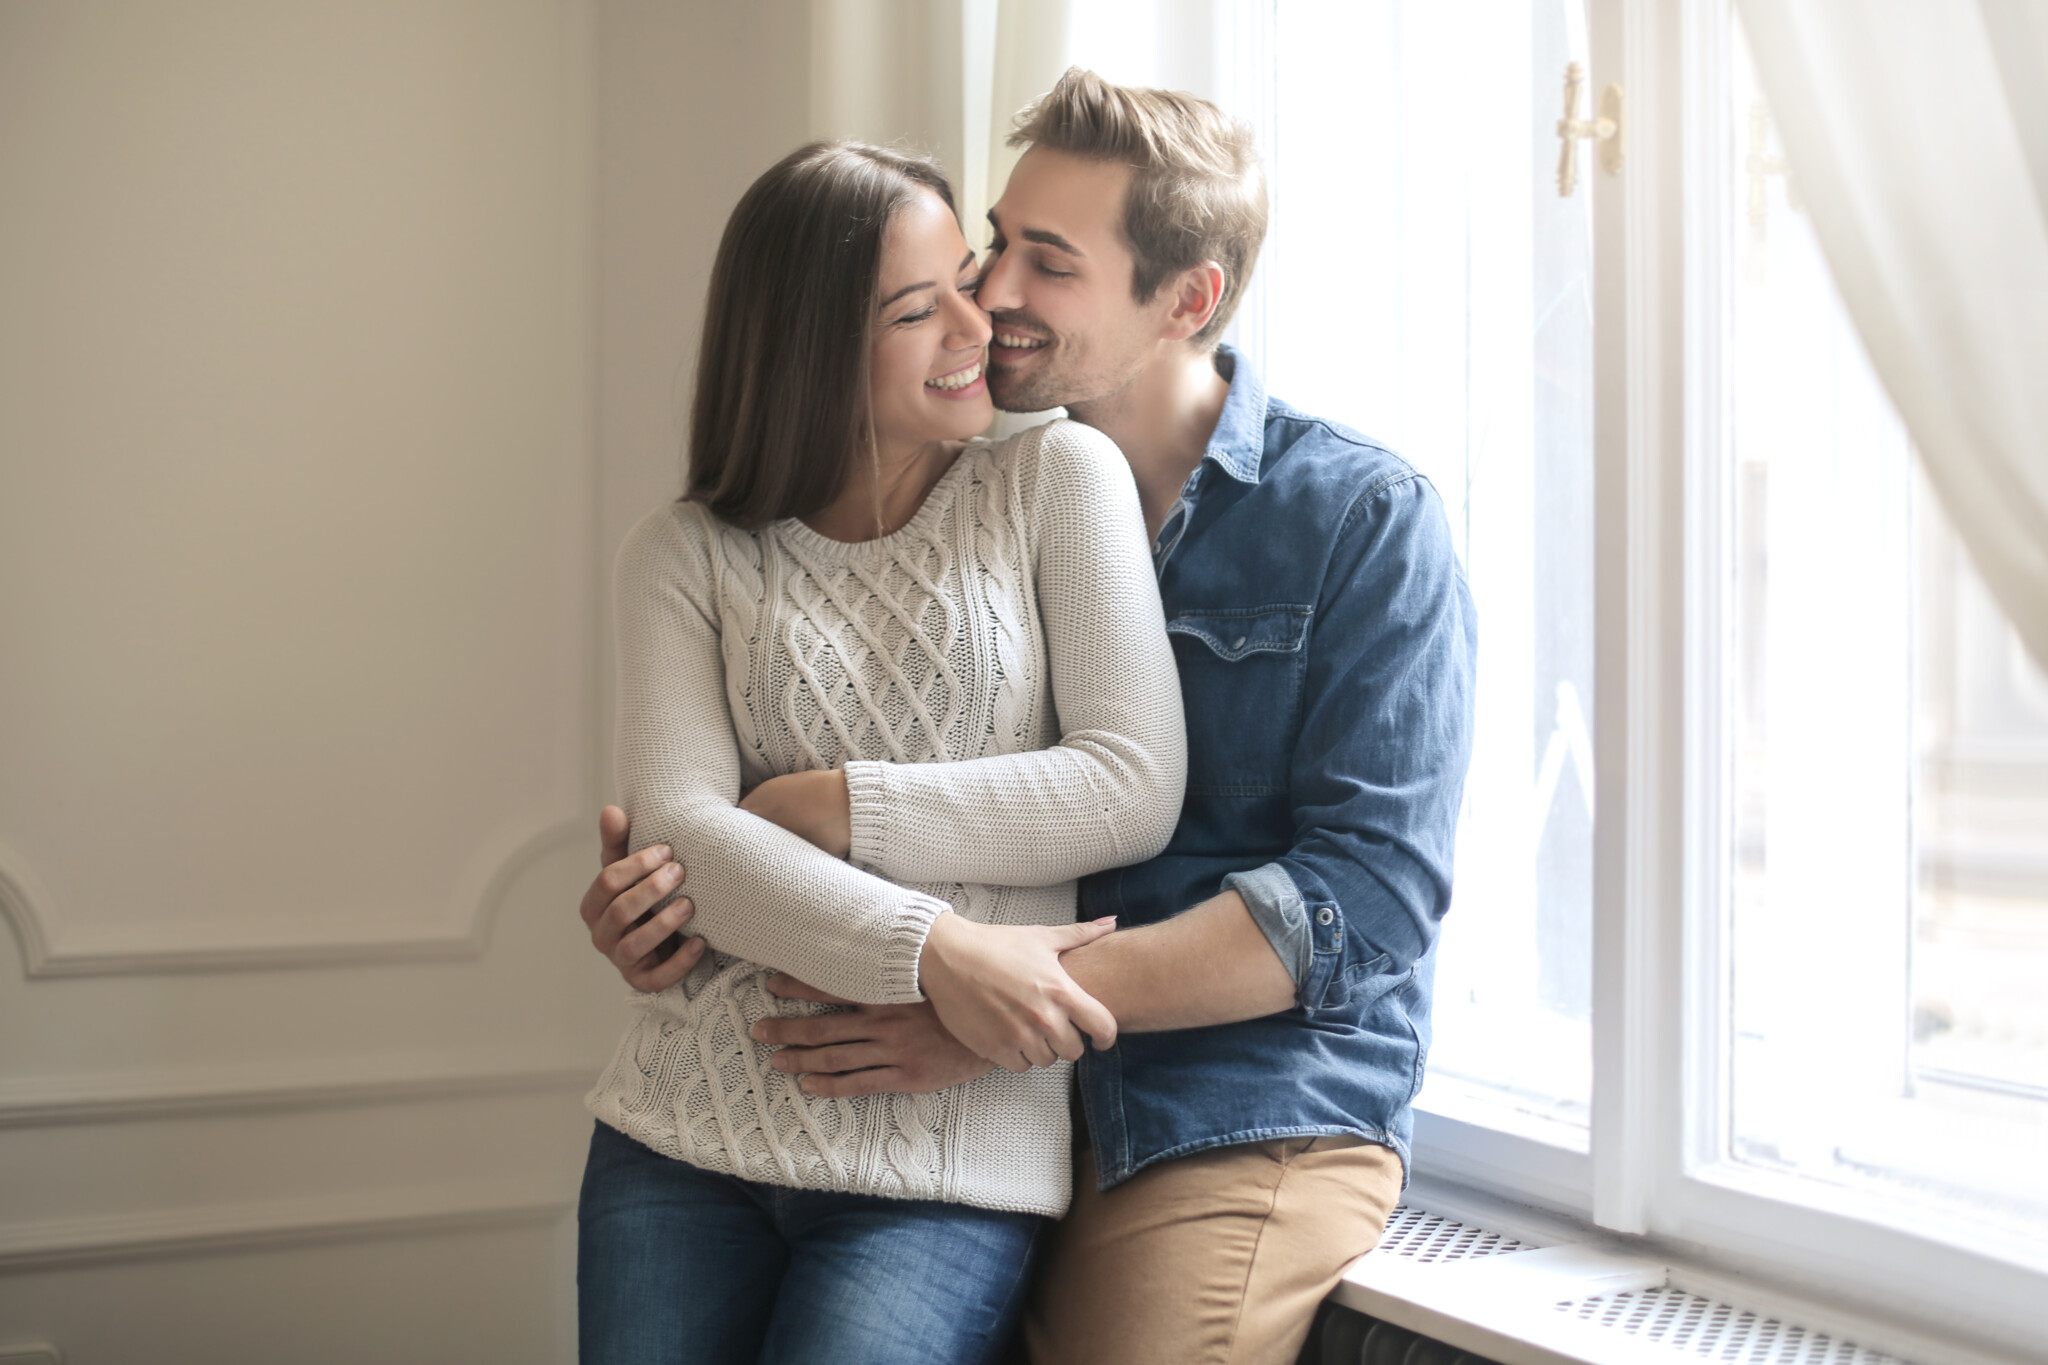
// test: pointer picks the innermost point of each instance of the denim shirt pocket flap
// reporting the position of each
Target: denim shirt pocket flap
(1257, 630)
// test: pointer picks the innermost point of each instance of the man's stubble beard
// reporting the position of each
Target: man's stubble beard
(1060, 384)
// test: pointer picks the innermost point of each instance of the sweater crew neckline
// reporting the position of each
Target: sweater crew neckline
(923, 523)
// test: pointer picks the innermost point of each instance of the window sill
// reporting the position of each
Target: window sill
(1466, 1139)
(1546, 1298)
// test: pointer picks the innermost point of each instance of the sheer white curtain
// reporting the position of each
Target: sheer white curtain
(941, 75)
(1917, 131)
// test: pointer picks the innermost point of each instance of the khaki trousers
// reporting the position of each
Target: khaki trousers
(1218, 1258)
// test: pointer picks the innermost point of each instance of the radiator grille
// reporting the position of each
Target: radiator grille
(1718, 1331)
(1417, 1236)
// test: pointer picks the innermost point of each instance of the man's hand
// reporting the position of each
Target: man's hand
(649, 952)
(867, 1049)
(812, 805)
(1000, 989)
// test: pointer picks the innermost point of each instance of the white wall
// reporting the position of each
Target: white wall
(339, 344)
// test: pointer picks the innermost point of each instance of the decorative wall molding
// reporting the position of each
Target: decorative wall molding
(51, 948)
(40, 1245)
(189, 1094)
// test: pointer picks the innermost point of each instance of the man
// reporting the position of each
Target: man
(1246, 1135)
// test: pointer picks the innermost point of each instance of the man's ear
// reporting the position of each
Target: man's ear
(1196, 295)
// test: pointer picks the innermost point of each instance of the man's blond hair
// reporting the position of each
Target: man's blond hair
(1197, 192)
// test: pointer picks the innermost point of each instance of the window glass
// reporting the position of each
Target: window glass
(1889, 774)
(1427, 284)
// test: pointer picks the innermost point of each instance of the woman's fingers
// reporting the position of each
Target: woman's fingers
(1092, 1017)
(1065, 1041)
(1067, 937)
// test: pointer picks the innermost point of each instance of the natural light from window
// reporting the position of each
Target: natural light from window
(1428, 285)
(1889, 793)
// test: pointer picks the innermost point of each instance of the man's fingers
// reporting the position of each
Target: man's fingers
(621, 876)
(636, 900)
(611, 835)
(815, 1060)
(649, 936)
(874, 1082)
(814, 1030)
(649, 976)
(789, 988)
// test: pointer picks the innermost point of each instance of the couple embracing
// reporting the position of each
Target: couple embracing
(895, 703)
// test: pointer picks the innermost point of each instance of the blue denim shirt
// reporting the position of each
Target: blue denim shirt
(1325, 639)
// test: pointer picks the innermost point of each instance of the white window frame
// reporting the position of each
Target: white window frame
(1655, 1170)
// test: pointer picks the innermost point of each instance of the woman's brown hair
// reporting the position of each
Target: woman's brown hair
(782, 406)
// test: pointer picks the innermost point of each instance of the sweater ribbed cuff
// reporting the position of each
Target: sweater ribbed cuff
(906, 948)
(867, 799)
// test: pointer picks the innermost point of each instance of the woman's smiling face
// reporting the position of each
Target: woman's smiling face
(931, 337)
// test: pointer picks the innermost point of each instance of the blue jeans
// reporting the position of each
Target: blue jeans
(676, 1264)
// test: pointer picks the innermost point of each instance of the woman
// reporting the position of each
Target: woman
(939, 658)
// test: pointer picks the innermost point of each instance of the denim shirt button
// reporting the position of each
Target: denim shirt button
(1238, 643)
(1325, 915)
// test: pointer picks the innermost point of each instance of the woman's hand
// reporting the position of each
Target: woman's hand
(1000, 989)
(811, 805)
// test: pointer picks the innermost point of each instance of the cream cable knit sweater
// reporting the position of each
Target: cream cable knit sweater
(996, 679)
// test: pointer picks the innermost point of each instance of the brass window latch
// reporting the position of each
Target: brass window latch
(1761, 165)
(1609, 129)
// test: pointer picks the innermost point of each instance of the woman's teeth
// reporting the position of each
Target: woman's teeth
(1013, 342)
(959, 379)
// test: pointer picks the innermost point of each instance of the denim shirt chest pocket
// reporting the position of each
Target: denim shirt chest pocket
(1241, 673)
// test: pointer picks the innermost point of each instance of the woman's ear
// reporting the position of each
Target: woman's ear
(1197, 294)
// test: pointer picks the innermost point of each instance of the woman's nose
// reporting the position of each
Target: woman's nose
(970, 327)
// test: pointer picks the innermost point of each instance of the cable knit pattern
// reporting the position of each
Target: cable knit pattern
(996, 680)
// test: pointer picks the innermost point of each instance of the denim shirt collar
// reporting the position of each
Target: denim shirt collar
(1238, 445)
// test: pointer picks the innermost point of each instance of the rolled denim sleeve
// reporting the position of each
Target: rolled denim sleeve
(1378, 769)
(1276, 907)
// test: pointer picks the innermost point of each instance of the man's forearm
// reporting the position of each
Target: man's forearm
(1211, 965)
